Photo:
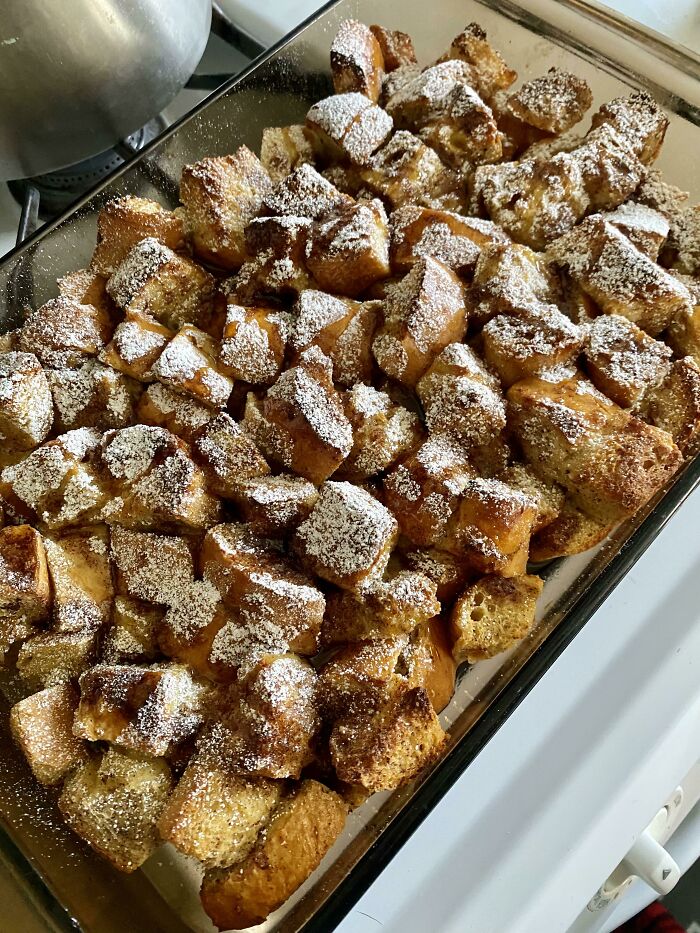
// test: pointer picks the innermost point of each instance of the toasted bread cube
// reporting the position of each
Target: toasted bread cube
(253, 344)
(190, 626)
(63, 333)
(124, 222)
(639, 119)
(42, 726)
(619, 278)
(349, 252)
(492, 614)
(491, 72)
(146, 709)
(26, 409)
(220, 196)
(508, 278)
(87, 288)
(453, 240)
(422, 315)
(385, 608)
(135, 346)
(683, 249)
(447, 572)
(303, 828)
(460, 396)
(284, 148)
(133, 635)
(468, 134)
(622, 360)
(258, 583)
(214, 815)
(349, 126)
(189, 364)
(227, 454)
(397, 47)
(387, 747)
(172, 289)
(25, 591)
(644, 227)
(163, 407)
(610, 170)
(422, 491)
(382, 432)
(406, 171)
(397, 79)
(348, 537)
(357, 62)
(277, 267)
(519, 346)
(49, 658)
(683, 334)
(81, 579)
(113, 801)
(301, 423)
(610, 462)
(553, 103)
(547, 496)
(674, 404)
(273, 506)
(303, 193)
(152, 567)
(426, 96)
(571, 532)
(91, 396)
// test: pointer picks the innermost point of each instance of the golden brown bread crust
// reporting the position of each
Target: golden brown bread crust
(124, 222)
(42, 726)
(571, 532)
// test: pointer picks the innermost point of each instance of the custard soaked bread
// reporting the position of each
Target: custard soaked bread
(286, 456)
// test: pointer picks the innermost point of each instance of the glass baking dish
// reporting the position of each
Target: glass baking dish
(68, 885)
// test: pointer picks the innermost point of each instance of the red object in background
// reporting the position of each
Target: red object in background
(654, 919)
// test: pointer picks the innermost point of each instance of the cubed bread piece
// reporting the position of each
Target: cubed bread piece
(571, 532)
(453, 240)
(397, 47)
(303, 193)
(349, 127)
(674, 403)
(163, 407)
(387, 747)
(277, 268)
(168, 287)
(348, 537)
(42, 726)
(522, 345)
(135, 346)
(132, 637)
(189, 364)
(190, 626)
(422, 315)
(406, 171)
(146, 709)
(447, 571)
(639, 119)
(357, 62)
(683, 251)
(25, 591)
(610, 170)
(152, 567)
(610, 462)
(215, 815)
(347, 253)
(303, 828)
(221, 195)
(273, 506)
(467, 135)
(262, 586)
(81, 579)
(426, 96)
(508, 279)
(491, 72)
(491, 527)
(124, 222)
(382, 432)
(284, 148)
(554, 102)
(383, 609)
(26, 407)
(91, 396)
(87, 288)
(492, 614)
(300, 423)
(646, 228)
(422, 492)
(49, 658)
(395, 80)
(227, 454)
(253, 343)
(461, 397)
(547, 496)
(113, 801)
(63, 333)
(683, 334)
(622, 360)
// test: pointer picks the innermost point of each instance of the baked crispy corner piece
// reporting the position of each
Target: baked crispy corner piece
(357, 62)
(552, 103)
(42, 726)
(492, 72)
(303, 827)
(639, 120)
(492, 614)
(113, 802)
(124, 222)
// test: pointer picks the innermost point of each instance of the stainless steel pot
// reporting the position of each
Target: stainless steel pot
(77, 75)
